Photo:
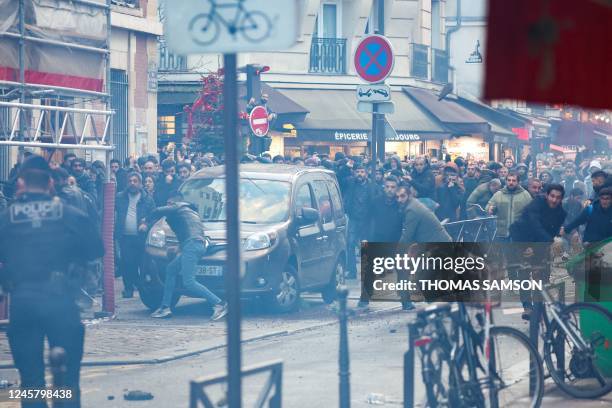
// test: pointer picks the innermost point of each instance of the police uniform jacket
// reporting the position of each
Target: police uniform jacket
(40, 235)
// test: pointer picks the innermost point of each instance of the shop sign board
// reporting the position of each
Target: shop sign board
(363, 135)
(374, 59)
(347, 136)
(373, 93)
(258, 119)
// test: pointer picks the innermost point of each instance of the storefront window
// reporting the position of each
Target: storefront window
(166, 125)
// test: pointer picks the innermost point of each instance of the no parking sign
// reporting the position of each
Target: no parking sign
(374, 59)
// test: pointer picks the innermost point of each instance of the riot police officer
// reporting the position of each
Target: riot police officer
(41, 241)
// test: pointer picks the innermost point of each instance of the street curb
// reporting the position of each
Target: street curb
(173, 357)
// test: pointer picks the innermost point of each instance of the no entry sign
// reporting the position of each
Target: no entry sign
(374, 58)
(258, 119)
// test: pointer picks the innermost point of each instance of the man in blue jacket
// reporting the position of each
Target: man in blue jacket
(597, 218)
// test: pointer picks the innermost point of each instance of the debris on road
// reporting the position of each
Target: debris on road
(137, 395)
(376, 399)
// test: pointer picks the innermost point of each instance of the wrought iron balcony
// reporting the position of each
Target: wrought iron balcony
(169, 62)
(328, 55)
(419, 67)
(440, 66)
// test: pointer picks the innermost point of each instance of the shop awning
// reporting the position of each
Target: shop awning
(505, 128)
(333, 117)
(457, 119)
(540, 126)
(277, 102)
(575, 133)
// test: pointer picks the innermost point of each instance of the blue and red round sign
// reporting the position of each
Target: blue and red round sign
(374, 58)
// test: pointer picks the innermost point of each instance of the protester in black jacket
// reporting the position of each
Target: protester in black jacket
(132, 207)
(168, 183)
(449, 196)
(73, 195)
(343, 172)
(386, 218)
(540, 222)
(185, 222)
(422, 179)
(83, 180)
(358, 200)
(542, 219)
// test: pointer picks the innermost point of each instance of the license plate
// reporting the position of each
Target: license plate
(209, 270)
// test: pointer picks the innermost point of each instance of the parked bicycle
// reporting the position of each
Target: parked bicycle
(464, 365)
(575, 348)
(205, 28)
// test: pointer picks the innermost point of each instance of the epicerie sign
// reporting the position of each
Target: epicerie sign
(361, 136)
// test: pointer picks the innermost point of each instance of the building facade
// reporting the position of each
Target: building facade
(319, 67)
(134, 32)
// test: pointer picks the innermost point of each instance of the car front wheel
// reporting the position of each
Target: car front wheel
(286, 296)
(151, 286)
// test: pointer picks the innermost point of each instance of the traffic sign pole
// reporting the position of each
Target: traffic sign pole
(232, 275)
(374, 141)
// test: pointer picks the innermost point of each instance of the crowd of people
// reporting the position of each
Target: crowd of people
(406, 200)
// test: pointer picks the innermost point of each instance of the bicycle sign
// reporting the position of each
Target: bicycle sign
(201, 26)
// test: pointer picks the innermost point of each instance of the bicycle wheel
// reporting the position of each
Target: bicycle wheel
(580, 372)
(255, 26)
(204, 29)
(435, 370)
(514, 363)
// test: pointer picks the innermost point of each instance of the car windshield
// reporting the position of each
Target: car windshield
(261, 201)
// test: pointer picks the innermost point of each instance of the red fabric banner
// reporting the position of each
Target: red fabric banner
(550, 51)
(49, 78)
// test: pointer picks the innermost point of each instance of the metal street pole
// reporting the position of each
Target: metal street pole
(22, 62)
(232, 274)
(344, 373)
(380, 123)
(374, 143)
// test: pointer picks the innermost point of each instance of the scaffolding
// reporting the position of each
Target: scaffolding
(54, 76)
(55, 91)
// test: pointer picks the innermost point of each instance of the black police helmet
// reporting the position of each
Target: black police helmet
(34, 163)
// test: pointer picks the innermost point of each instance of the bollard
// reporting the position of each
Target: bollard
(534, 333)
(57, 361)
(409, 368)
(560, 346)
(108, 230)
(344, 373)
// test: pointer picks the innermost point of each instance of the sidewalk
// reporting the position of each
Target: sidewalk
(135, 338)
(554, 397)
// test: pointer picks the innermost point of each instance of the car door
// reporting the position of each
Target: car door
(340, 218)
(327, 240)
(307, 236)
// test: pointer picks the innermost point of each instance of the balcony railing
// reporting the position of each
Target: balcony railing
(328, 56)
(440, 66)
(169, 62)
(419, 67)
